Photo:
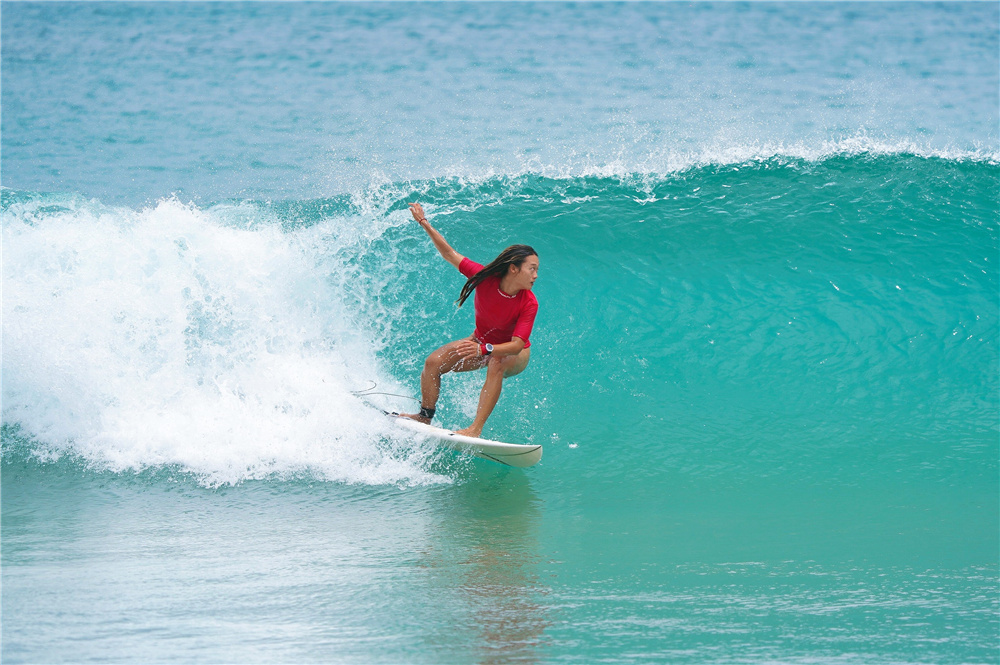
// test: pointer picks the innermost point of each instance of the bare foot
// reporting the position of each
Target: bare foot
(470, 431)
(416, 416)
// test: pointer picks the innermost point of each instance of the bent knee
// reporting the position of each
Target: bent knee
(511, 365)
(515, 370)
(494, 365)
(436, 362)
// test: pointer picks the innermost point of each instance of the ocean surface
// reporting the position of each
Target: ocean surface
(765, 368)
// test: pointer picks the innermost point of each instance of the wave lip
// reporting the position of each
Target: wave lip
(624, 161)
(670, 161)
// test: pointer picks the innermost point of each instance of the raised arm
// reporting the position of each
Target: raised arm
(450, 255)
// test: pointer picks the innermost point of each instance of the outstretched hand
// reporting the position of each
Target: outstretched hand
(450, 255)
(418, 213)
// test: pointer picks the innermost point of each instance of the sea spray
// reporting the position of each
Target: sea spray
(170, 336)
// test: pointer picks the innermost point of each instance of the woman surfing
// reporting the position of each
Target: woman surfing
(505, 313)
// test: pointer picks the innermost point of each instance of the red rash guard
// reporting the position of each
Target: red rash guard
(500, 317)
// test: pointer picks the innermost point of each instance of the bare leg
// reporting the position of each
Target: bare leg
(496, 371)
(444, 360)
(488, 398)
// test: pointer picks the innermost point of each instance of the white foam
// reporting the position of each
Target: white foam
(171, 337)
(629, 161)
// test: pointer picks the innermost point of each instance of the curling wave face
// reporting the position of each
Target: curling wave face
(771, 315)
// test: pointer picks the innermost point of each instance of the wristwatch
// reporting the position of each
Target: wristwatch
(486, 349)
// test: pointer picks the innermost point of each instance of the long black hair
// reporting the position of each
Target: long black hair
(514, 255)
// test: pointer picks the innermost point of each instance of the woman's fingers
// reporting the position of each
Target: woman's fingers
(417, 211)
(468, 349)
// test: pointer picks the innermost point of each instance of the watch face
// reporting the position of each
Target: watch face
(489, 348)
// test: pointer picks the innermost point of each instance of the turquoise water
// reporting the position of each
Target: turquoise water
(765, 371)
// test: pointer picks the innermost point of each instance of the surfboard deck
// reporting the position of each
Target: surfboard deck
(511, 454)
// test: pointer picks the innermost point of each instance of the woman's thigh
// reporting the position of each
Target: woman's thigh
(447, 359)
(514, 365)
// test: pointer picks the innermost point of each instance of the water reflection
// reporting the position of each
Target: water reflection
(488, 554)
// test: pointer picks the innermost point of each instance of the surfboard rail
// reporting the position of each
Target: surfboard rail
(511, 454)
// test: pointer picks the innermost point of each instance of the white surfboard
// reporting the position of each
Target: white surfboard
(511, 454)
